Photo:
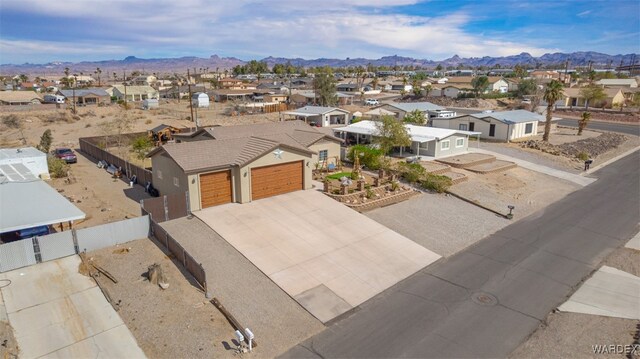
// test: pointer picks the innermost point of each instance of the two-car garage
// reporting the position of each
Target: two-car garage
(216, 188)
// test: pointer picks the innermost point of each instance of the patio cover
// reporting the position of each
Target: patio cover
(32, 204)
(419, 134)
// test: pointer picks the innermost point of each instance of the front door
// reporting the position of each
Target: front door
(472, 126)
(492, 130)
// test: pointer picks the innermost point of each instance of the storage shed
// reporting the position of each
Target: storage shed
(200, 99)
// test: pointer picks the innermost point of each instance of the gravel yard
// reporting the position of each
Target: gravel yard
(441, 223)
(277, 320)
(527, 190)
(174, 323)
(573, 335)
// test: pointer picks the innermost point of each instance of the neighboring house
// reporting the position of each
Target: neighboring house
(19, 98)
(144, 80)
(573, 98)
(181, 92)
(81, 80)
(400, 109)
(499, 85)
(88, 96)
(400, 86)
(348, 87)
(453, 91)
(540, 74)
(134, 93)
(425, 141)
(499, 126)
(224, 95)
(632, 83)
(280, 98)
(28, 202)
(321, 116)
(31, 158)
(236, 84)
(306, 97)
(200, 99)
(513, 84)
(240, 164)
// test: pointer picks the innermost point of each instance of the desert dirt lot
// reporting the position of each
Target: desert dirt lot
(527, 190)
(573, 335)
(174, 323)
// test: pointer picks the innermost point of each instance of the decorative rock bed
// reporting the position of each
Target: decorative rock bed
(380, 197)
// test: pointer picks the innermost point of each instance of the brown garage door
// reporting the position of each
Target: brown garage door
(277, 179)
(215, 188)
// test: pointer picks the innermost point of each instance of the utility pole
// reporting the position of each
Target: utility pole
(75, 81)
(124, 78)
(190, 96)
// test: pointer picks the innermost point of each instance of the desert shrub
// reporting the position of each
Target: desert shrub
(45, 141)
(411, 172)
(436, 183)
(582, 156)
(12, 121)
(141, 146)
(57, 167)
(370, 193)
(370, 157)
(147, 122)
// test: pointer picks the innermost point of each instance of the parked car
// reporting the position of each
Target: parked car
(371, 102)
(65, 154)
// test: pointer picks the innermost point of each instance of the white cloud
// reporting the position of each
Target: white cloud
(584, 13)
(309, 28)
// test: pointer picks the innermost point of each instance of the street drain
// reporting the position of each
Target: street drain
(485, 299)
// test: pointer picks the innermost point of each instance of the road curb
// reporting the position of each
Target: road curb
(606, 163)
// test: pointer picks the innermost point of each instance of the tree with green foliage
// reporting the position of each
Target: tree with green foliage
(369, 156)
(415, 117)
(583, 122)
(141, 146)
(439, 67)
(58, 168)
(324, 85)
(45, 141)
(552, 93)
(391, 133)
(520, 71)
(592, 93)
(416, 88)
(527, 87)
(479, 84)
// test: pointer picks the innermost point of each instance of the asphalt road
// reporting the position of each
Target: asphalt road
(605, 126)
(487, 299)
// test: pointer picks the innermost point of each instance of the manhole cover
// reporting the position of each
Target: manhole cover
(484, 299)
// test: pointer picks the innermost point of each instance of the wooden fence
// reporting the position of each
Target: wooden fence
(89, 146)
(167, 207)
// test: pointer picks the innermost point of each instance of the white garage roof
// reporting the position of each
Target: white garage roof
(31, 204)
(417, 133)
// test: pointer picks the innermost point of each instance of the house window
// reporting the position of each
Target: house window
(462, 127)
(444, 145)
(528, 128)
(176, 182)
(460, 142)
(323, 155)
(159, 174)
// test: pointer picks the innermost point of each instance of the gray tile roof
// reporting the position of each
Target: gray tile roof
(511, 117)
(205, 155)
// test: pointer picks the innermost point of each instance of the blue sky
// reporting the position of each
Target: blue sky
(40, 31)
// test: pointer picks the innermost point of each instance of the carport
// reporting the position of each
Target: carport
(326, 256)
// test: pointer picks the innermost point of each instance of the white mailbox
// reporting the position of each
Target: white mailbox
(250, 336)
(239, 336)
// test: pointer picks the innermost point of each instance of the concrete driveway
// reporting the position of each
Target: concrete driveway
(323, 254)
(57, 312)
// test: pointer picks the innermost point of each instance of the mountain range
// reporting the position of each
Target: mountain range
(214, 62)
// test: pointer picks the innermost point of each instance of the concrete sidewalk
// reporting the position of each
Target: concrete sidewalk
(609, 292)
(578, 179)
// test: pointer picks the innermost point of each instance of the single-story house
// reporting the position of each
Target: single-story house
(180, 91)
(573, 97)
(28, 202)
(499, 85)
(618, 83)
(499, 126)
(134, 93)
(88, 96)
(513, 84)
(306, 97)
(200, 99)
(325, 146)
(400, 109)
(31, 158)
(18, 98)
(453, 91)
(401, 86)
(275, 97)
(378, 113)
(223, 95)
(425, 141)
(237, 170)
(321, 116)
(236, 84)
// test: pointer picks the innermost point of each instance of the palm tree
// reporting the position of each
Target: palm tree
(582, 123)
(552, 93)
(98, 72)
